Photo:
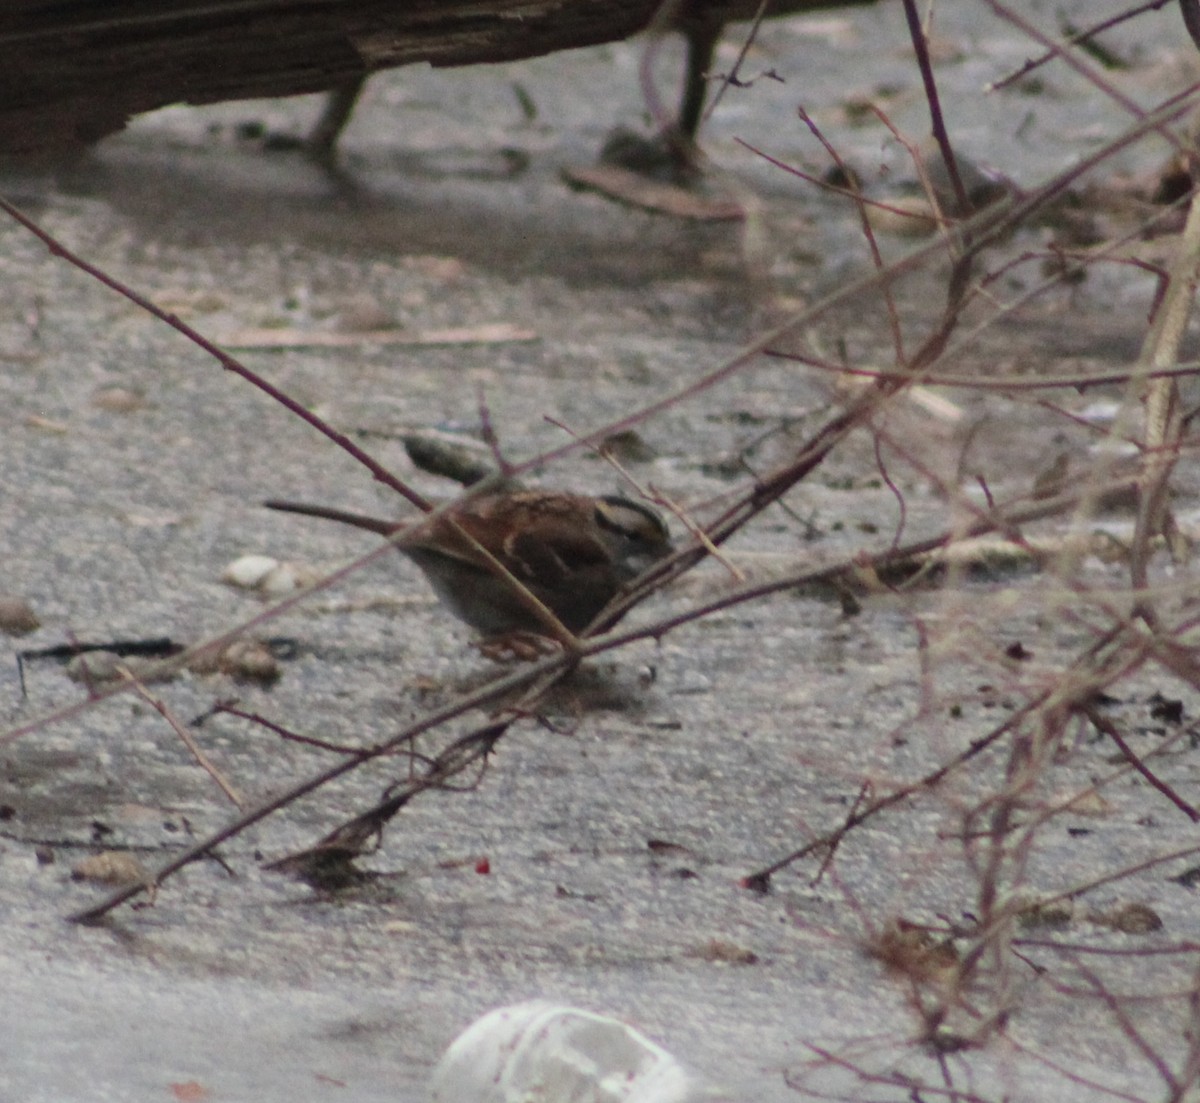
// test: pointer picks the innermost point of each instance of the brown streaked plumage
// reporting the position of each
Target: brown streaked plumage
(571, 551)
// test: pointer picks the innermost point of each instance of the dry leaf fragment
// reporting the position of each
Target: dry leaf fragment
(1131, 918)
(1052, 914)
(723, 952)
(118, 400)
(915, 952)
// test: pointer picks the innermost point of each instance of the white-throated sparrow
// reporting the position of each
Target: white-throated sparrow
(572, 552)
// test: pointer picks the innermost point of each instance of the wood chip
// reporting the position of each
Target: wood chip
(651, 195)
(111, 867)
(500, 333)
(47, 425)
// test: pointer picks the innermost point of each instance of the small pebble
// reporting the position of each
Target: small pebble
(96, 666)
(270, 577)
(286, 578)
(1090, 803)
(451, 455)
(628, 447)
(903, 216)
(247, 572)
(247, 660)
(694, 682)
(17, 617)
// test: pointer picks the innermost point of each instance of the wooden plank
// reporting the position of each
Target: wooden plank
(72, 72)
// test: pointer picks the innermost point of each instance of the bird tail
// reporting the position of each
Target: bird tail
(358, 520)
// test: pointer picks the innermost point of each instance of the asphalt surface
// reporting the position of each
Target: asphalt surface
(599, 860)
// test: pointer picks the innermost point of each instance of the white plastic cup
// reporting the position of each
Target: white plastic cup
(542, 1052)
